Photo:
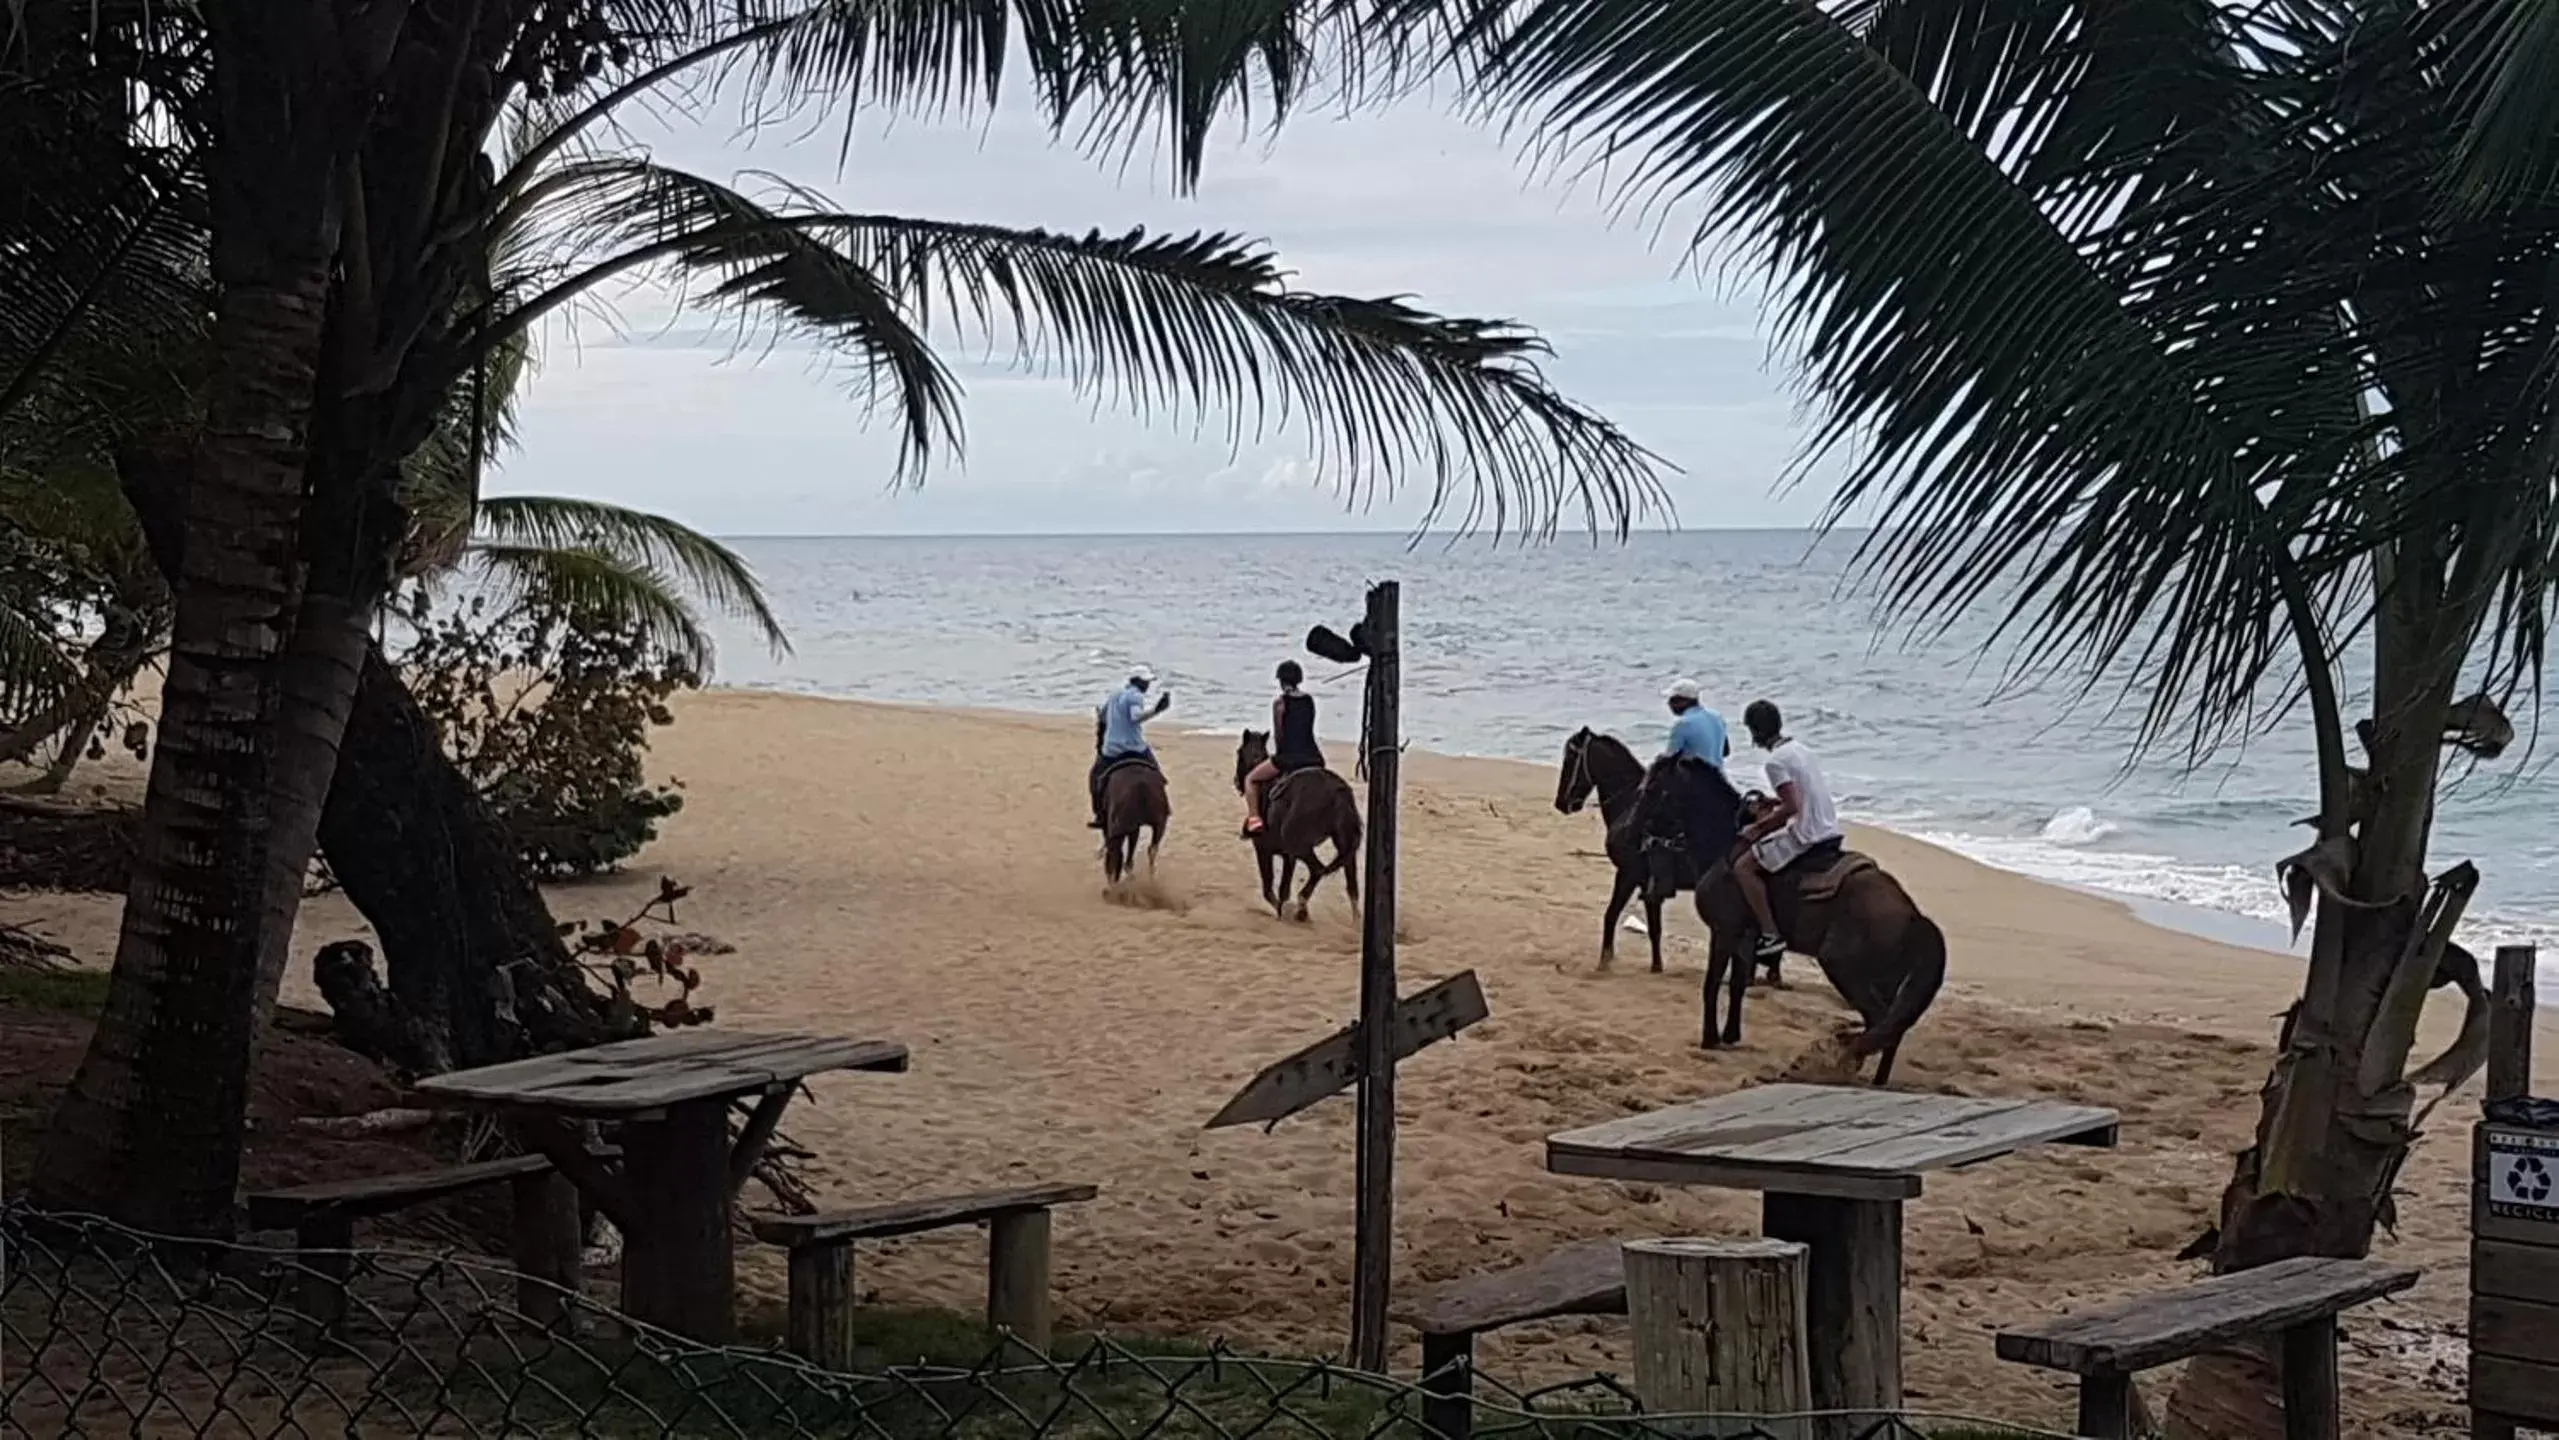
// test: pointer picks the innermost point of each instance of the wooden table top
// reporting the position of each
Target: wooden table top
(1848, 1141)
(671, 1068)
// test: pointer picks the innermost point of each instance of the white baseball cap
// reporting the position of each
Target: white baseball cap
(1681, 690)
(1144, 673)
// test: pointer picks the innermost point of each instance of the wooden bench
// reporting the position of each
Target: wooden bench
(2298, 1299)
(1584, 1279)
(547, 1241)
(1017, 1267)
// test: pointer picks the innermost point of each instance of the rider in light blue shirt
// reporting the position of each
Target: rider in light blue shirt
(1124, 718)
(1697, 731)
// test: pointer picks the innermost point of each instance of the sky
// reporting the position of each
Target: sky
(638, 405)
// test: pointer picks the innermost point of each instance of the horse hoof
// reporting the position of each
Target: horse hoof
(1710, 1043)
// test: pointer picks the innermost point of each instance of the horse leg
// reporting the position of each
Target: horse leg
(1653, 924)
(1346, 860)
(1154, 838)
(1316, 870)
(1737, 987)
(1884, 1064)
(1262, 858)
(1619, 893)
(1287, 877)
(1718, 956)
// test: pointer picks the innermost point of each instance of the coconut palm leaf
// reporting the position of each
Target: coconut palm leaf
(616, 588)
(677, 555)
(1380, 390)
(2504, 77)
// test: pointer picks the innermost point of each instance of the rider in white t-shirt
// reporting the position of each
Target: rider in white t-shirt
(1800, 823)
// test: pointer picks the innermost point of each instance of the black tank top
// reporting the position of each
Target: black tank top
(1296, 742)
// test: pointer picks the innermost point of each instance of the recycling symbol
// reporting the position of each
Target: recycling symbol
(2528, 1179)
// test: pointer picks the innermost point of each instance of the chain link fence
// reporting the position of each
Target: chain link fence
(104, 1331)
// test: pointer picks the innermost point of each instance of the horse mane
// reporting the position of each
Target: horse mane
(1718, 811)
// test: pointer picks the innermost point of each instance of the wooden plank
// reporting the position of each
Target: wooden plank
(1888, 1116)
(2144, 1331)
(660, 1071)
(2514, 1329)
(2515, 1390)
(1588, 1278)
(1678, 1127)
(910, 1217)
(382, 1194)
(2510, 1011)
(1987, 1136)
(1331, 1064)
(2515, 1272)
(1793, 1179)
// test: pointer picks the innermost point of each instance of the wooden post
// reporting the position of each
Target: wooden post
(1448, 1385)
(1852, 1302)
(1017, 1279)
(1373, 1236)
(2510, 1002)
(1719, 1326)
(2310, 1380)
(322, 1241)
(679, 1264)
(2105, 1407)
(821, 1304)
(549, 1238)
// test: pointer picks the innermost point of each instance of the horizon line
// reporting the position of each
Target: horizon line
(1505, 537)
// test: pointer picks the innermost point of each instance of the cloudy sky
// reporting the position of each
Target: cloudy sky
(639, 408)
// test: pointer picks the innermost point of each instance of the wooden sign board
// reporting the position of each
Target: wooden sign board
(1331, 1064)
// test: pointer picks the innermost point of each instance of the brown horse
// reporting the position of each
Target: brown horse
(1301, 810)
(1885, 958)
(1601, 764)
(1134, 798)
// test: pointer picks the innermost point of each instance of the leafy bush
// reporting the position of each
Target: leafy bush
(546, 703)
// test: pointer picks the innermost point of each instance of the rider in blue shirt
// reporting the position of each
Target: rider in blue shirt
(1124, 718)
(1696, 731)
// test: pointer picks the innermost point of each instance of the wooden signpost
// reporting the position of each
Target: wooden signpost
(1332, 1064)
(1364, 1053)
(2514, 1221)
(1373, 1233)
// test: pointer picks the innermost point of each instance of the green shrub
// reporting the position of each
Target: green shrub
(546, 705)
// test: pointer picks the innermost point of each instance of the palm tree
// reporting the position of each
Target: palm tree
(2211, 347)
(353, 199)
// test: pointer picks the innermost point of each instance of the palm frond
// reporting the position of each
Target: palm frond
(616, 589)
(1963, 212)
(2504, 78)
(683, 558)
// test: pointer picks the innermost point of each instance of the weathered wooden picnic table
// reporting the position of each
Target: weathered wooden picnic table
(1833, 1165)
(679, 1174)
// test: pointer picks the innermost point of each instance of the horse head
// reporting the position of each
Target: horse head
(1692, 802)
(1573, 782)
(1250, 751)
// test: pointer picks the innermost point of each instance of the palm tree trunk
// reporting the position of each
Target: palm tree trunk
(151, 1128)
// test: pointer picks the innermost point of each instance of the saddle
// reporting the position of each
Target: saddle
(1124, 761)
(1823, 884)
(1284, 781)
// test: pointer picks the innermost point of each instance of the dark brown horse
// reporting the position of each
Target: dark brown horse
(1885, 958)
(1657, 867)
(1134, 798)
(1301, 810)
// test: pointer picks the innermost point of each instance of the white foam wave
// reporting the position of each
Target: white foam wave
(2077, 825)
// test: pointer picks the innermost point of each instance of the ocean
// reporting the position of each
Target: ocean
(1509, 648)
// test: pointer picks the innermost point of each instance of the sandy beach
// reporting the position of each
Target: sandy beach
(922, 875)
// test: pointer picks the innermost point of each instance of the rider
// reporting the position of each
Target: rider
(1293, 744)
(1124, 718)
(1695, 730)
(1800, 824)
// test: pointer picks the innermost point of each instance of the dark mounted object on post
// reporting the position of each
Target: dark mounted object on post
(1321, 641)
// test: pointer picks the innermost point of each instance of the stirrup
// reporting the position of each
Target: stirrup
(1768, 947)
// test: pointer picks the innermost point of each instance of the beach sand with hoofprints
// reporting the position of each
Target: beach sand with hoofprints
(924, 875)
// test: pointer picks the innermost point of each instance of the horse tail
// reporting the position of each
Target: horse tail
(1923, 953)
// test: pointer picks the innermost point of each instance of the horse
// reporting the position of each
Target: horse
(1601, 763)
(1300, 810)
(1134, 797)
(1884, 957)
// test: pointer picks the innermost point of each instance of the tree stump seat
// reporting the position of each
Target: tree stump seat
(2298, 1299)
(1017, 1269)
(1588, 1278)
(322, 1215)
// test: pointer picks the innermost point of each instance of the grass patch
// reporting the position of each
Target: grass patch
(69, 990)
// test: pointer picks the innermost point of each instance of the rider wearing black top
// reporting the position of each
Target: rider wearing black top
(1293, 744)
